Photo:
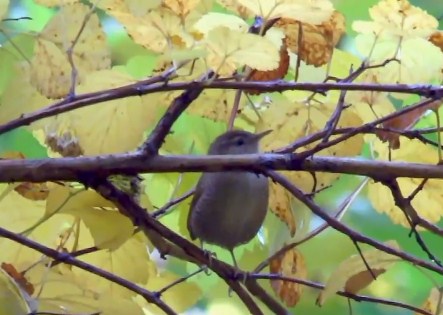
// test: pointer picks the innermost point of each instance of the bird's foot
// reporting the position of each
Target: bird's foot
(238, 275)
(209, 255)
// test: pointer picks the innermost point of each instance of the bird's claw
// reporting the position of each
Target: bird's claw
(209, 255)
(239, 275)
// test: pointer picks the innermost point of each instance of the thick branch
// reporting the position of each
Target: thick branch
(145, 221)
(71, 169)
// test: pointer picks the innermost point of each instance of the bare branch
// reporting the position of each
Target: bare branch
(149, 296)
(71, 169)
(343, 228)
(355, 297)
(152, 85)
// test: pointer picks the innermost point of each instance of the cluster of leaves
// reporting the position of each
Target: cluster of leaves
(71, 56)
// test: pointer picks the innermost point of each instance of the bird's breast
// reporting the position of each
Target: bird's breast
(231, 208)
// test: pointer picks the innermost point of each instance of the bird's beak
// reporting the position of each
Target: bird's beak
(262, 134)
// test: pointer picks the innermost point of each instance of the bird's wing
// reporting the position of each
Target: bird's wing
(195, 198)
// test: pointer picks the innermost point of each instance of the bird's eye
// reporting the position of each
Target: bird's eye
(240, 141)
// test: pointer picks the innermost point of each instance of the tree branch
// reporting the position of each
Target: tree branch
(149, 296)
(71, 169)
(155, 84)
(343, 228)
(355, 297)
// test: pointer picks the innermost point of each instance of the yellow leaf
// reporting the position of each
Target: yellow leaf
(20, 96)
(433, 302)
(314, 11)
(234, 6)
(180, 297)
(109, 228)
(18, 214)
(412, 66)
(352, 274)
(129, 261)
(397, 18)
(12, 297)
(51, 71)
(181, 7)
(61, 291)
(158, 30)
(212, 20)
(228, 50)
(135, 7)
(291, 264)
(53, 3)
(427, 202)
(109, 127)
(4, 4)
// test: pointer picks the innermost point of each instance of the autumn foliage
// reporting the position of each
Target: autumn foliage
(200, 67)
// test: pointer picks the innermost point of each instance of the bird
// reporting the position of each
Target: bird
(228, 208)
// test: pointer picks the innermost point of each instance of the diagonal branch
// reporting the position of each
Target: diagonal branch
(155, 140)
(343, 228)
(190, 251)
(149, 296)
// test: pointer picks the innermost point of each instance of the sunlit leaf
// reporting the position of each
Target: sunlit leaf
(352, 274)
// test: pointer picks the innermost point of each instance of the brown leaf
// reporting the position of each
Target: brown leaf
(12, 155)
(291, 264)
(280, 202)
(32, 191)
(18, 277)
(403, 122)
(437, 39)
(317, 41)
(271, 75)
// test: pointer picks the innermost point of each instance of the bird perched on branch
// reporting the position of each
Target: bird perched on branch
(228, 208)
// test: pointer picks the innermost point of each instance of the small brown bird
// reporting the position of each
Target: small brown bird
(228, 208)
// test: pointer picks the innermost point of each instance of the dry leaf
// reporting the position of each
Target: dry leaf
(292, 264)
(433, 302)
(32, 191)
(271, 75)
(280, 199)
(437, 39)
(18, 277)
(51, 70)
(353, 275)
(317, 41)
(403, 122)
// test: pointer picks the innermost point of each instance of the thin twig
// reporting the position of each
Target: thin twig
(171, 203)
(343, 228)
(342, 209)
(70, 52)
(355, 297)
(178, 281)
